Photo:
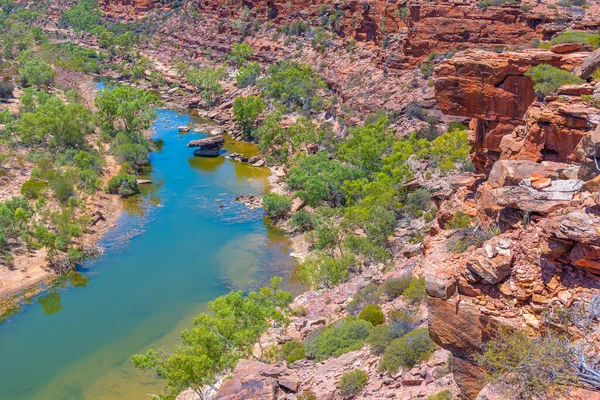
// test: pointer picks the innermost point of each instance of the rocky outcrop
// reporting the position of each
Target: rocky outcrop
(208, 147)
(508, 122)
(127, 9)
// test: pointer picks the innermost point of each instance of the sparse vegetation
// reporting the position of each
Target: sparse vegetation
(407, 351)
(353, 382)
(337, 338)
(549, 79)
(373, 314)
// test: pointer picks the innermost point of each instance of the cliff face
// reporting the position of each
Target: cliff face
(541, 189)
(403, 33)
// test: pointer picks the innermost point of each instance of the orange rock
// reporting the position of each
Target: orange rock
(541, 183)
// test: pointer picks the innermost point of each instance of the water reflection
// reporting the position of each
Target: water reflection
(50, 302)
(206, 164)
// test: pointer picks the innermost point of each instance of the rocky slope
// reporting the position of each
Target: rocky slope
(536, 180)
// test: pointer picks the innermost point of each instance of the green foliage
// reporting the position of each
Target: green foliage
(248, 75)
(417, 202)
(15, 218)
(529, 367)
(218, 339)
(448, 149)
(379, 339)
(6, 89)
(407, 351)
(56, 124)
(443, 395)
(86, 160)
(365, 146)
(123, 185)
(593, 39)
(549, 79)
(125, 107)
(246, 110)
(373, 314)
(394, 287)
(239, 53)
(367, 295)
(32, 189)
(132, 153)
(279, 143)
(89, 180)
(352, 382)
(316, 178)
(307, 396)
(63, 188)
(276, 206)
(321, 270)
(337, 338)
(83, 15)
(292, 351)
(295, 84)
(207, 83)
(402, 322)
(36, 72)
(460, 220)
(302, 221)
(416, 291)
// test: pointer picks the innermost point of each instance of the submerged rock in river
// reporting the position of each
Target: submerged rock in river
(209, 147)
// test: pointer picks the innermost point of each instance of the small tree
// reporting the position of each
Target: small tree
(36, 72)
(276, 206)
(239, 53)
(218, 339)
(246, 110)
(549, 79)
(207, 82)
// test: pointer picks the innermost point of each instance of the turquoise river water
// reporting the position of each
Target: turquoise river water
(178, 245)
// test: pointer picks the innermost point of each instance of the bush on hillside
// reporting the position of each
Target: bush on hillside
(123, 184)
(407, 351)
(276, 206)
(368, 295)
(402, 322)
(353, 382)
(416, 291)
(337, 338)
(33, 188)
(292, 351)
(549, 79)
(303, 221)
(6, 89)
(593, 39)
(394, 287)
(373, 314)
(36, 72)
(379, 339)
(443, 395)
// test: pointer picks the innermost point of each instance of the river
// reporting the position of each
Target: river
(180, 244)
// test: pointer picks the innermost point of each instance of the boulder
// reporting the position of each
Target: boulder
(591, 64)
(208, 147)
(490, 268)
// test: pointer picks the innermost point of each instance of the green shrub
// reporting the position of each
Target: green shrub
(368, 295)
(123, 184)
(592, 39)
(133, 154)
(248, 75)
(338, 338)
(407, 351)
(353, 382)
(443, 395)
(322, 270)
(549, 79)
(63, 189)
(536, 359)
(373, 314)
(36, 72)
(460, 220)
(239, 53)
(6, 89)
(394, 287)
(89, 180)
(402, 322)
(276, 206)
(379, 339)
(414, 109)
(417, 202)
(292, 351)
(33, 188)
(85, 160)
(416, 291)
(246, 110)
(309, 395)
(207, 83)
(302, 221)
